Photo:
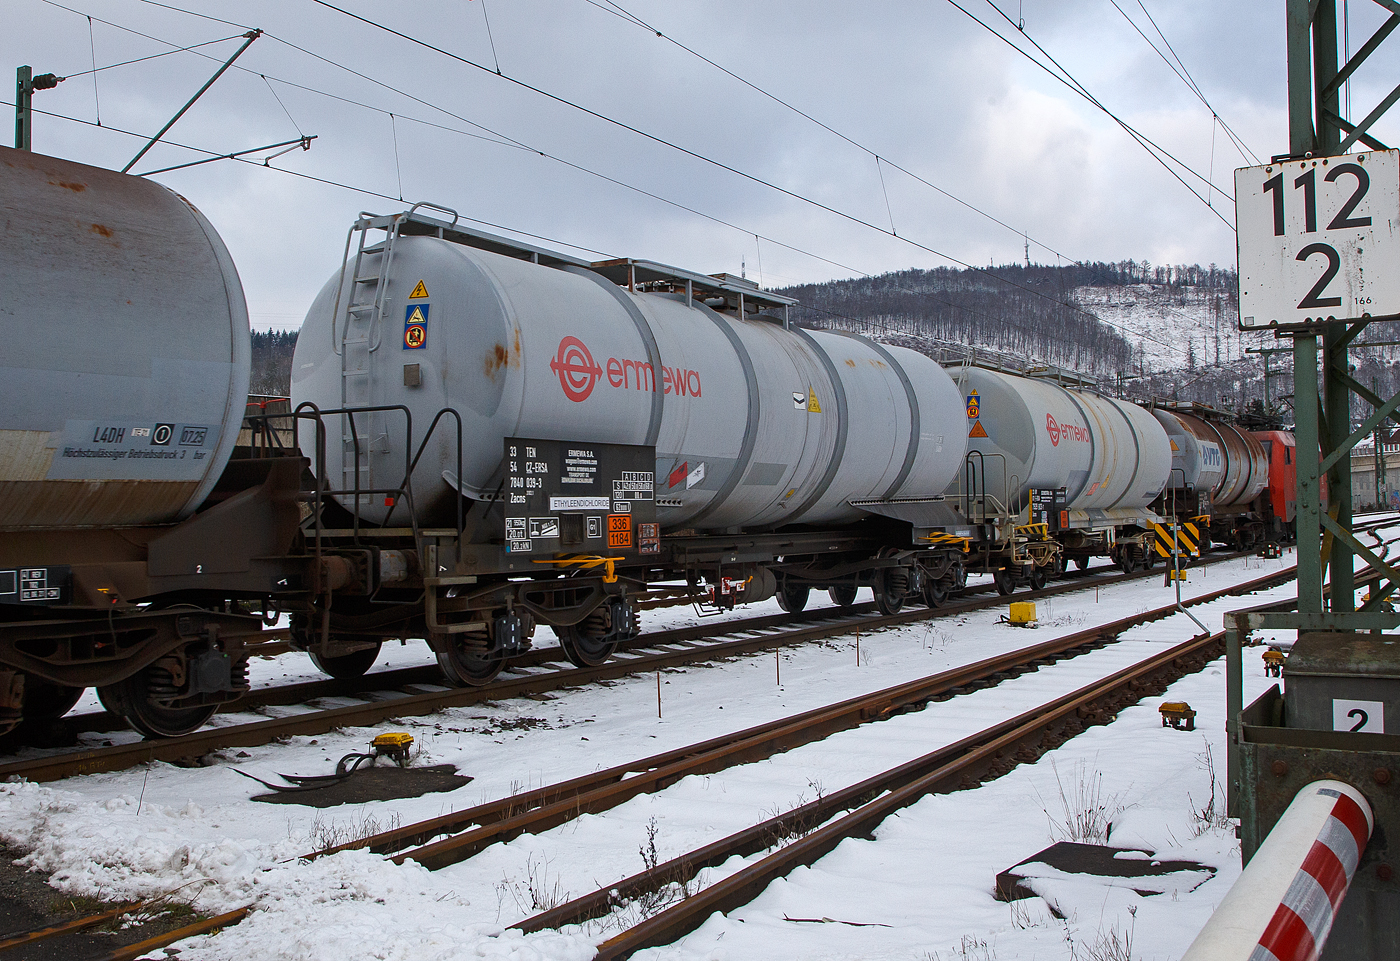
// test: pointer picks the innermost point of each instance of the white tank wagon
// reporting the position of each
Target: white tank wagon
(127, 348)
(756, 424)
(1104, 461)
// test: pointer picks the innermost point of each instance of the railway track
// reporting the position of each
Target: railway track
(430, 676)
(806, 833)
(815, 829)
(423, 692)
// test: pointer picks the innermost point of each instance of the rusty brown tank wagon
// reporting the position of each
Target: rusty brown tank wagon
(485, 437)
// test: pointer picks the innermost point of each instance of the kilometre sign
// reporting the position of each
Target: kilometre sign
(1319, 239)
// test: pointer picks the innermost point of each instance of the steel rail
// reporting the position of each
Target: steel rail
(829, 622)
(204, 926)
(50, 931)
(983, 756)
(549, 806)
(759, 837)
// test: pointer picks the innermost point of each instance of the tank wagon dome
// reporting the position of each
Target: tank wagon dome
(1030, 433)
(127, 348)
(755, 423)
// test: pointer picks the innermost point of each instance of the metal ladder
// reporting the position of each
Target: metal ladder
(361, 333)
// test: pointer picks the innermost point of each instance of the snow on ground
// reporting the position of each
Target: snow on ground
(157, 828)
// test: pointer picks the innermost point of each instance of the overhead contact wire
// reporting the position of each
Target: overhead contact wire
(510, 141)
(623, 14)
(1153, 149)
(709, 160)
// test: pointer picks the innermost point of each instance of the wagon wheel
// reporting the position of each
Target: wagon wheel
(1005, 582)
(843, 595)
(793, 597)
(891, 584)
(464, 662)
(935, 593)
(1059, 565)
(353, 664)
(1082, 562)
(1037, 578)
(145, 700)
(594, 639)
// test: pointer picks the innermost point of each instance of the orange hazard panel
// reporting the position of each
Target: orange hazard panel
(620, 530)
(977, 430)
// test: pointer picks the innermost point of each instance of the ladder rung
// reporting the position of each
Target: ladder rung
(359, 308)
(355, 342)
(367, 280)
(355, 373)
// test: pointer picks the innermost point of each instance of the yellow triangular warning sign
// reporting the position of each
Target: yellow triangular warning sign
(1174, 447)
(812, 406)
(977, 430)
(421, 290)
(415, 316)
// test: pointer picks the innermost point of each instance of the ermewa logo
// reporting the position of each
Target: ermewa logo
(576, 368)
(1067, 431)
(578, 373)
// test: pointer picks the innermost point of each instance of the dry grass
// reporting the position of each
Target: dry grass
(1086, 810)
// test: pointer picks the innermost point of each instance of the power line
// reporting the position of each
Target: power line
(320, 180)
(617, 10)
(1065, 77)
(506, 140)
(154, 56)
(696, 155)
(1184, 75)
(623, 14)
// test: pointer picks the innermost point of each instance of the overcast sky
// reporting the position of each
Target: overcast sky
(919, 83)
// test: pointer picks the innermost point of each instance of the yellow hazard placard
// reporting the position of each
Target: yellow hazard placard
(977, 430)
(420, 290)
(416, 315)
(812, 406)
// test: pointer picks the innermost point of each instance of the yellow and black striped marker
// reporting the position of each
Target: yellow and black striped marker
(939, 539)
(1188, 536)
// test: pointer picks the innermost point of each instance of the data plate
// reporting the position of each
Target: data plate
(1319, 239)
(36, 585)
(573, 498)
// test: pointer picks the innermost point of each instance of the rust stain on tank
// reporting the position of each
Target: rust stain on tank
(496, 359)
(101, 231)
(850, 363)
(77, 188)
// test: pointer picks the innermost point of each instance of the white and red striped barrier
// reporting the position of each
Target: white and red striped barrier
(1283, 905)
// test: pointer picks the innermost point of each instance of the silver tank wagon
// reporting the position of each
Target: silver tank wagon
(755, 424)
(127, 349)
(1111, 457)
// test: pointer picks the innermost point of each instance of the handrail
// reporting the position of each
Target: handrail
(323, 487)
(423, 203)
